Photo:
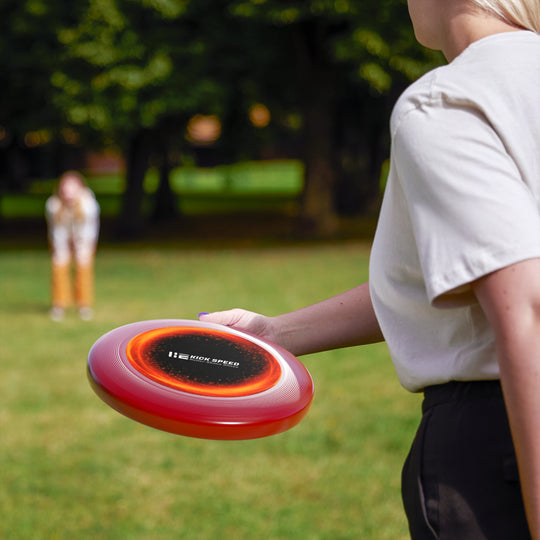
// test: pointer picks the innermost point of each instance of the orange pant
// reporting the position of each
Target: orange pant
(62, 291)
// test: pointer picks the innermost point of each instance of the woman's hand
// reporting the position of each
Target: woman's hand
(245, 321)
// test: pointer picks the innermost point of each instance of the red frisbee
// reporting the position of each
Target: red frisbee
(200, 379)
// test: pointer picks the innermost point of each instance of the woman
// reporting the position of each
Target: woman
(73, 224)
(455, 274)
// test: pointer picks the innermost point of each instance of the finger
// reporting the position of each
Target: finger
(226, 318)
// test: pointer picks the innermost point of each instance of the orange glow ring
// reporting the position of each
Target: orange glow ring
(137, 353)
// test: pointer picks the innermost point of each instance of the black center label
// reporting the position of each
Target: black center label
(203, 361)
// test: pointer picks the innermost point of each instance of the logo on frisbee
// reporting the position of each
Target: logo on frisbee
(204, 359)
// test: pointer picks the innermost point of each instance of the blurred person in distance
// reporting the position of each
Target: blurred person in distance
(73, 226)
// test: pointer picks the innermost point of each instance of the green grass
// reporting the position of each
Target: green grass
(71, 467)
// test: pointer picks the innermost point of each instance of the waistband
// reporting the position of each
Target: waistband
(456, 390)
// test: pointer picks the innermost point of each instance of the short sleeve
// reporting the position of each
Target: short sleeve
(472, 212)
(89, 205)
(52, 206)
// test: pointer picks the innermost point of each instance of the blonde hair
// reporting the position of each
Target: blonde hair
(522, 13)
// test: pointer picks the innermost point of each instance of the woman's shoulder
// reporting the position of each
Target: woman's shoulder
(53, 204)
(415, 97)
(88, 202)
(487, 76)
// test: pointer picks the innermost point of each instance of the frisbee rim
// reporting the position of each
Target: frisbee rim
(252, 415)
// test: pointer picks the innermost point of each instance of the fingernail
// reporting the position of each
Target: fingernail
(202, 313)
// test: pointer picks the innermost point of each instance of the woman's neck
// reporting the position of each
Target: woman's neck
(466, 27)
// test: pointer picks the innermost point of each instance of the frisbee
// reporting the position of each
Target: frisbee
(200, 379)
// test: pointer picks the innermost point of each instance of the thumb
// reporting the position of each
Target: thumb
(240, 319)
(230, 317)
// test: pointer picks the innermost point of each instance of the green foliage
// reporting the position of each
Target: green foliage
(374, 40)
(71, 467)
(28, 52)
(112, 65)
(131, 73)
(128, 63)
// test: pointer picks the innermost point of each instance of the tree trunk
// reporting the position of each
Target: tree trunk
(361, 149)
(318, 103)
(318, 210)
(131, 220)
(165, 201)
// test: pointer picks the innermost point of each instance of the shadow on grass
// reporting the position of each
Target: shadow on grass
(196, 232)
(25, 307)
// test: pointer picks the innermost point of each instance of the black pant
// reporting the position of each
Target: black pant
(460, 480)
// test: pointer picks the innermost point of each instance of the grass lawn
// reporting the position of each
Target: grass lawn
(72, 468)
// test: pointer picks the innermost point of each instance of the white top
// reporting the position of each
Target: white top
(462, 200)
(73, 231)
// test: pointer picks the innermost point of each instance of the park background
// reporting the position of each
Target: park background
(238, 150)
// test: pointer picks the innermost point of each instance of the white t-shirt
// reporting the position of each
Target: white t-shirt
(462, 200)
(73, 230)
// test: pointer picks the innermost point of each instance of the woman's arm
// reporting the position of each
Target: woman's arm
(510, 299)
(344, 320)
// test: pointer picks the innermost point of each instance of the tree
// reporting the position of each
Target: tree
(339, 55)
(138, 70)
(132, 72)
(114, 80)
(29, 51)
